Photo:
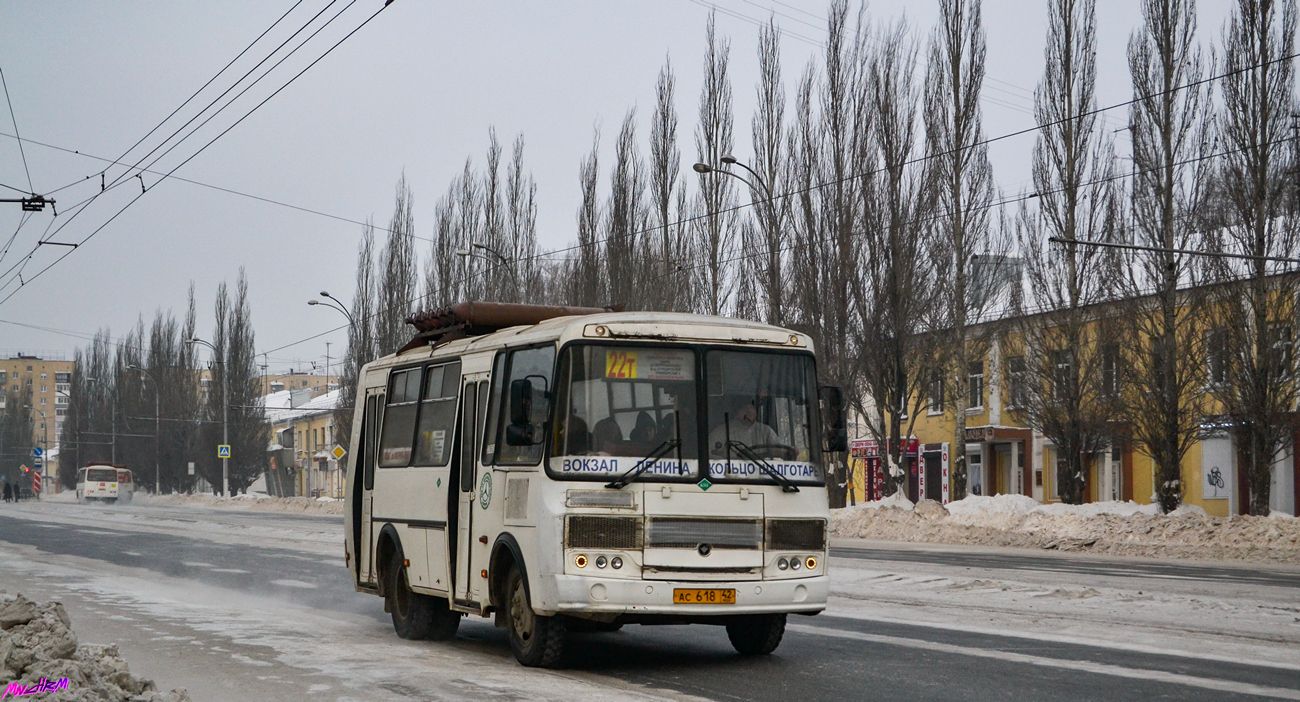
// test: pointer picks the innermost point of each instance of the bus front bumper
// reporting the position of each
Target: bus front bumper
(583, 594)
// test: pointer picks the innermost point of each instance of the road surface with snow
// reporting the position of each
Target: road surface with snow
(246, 603)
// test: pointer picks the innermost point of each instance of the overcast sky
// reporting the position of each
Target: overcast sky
(414, 91)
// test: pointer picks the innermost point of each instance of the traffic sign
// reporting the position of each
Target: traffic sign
(36, 465)
(38, 452)
(36, 483)
(339, 453)
(24, 468)
(223, 451)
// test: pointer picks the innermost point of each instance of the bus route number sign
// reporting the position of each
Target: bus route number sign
(620, 364)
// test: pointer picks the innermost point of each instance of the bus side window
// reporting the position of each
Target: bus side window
(437, 415)
(467, 431)
(490, 427)
(395, 442)
(537, 366)
(482, 409)
(366, 452)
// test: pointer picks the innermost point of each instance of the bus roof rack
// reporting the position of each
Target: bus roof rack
(465, 319)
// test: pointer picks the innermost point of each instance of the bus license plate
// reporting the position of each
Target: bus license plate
(694, 596)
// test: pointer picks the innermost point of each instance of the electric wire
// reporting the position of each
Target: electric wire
(23, 283)
(30, 188)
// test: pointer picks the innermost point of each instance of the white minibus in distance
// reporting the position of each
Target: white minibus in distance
(577, 469)
(104, 481)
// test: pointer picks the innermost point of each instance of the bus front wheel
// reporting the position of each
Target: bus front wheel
(537, 641)
(756, 634)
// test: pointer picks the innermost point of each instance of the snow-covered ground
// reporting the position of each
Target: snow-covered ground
(187, 629)
(1118, 528)
(249, 501)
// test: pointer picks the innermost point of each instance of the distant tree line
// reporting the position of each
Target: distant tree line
(865, 213)
(110, 411)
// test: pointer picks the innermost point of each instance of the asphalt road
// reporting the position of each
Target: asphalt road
(822, 658)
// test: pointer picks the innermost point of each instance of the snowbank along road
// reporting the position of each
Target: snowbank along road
(230, 603)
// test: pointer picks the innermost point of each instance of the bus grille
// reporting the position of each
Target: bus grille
(681, 532)
(621, 533)
(796, 534)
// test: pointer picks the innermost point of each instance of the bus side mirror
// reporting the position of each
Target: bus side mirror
(521, 431)
(833, 421)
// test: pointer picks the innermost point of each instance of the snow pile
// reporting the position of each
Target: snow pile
(37, 644)
(1119, 528)
(253, 501)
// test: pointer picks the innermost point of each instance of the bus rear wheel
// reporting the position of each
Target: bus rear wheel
(412, 612)
(443, 623)
(756, 634)
(537, 641)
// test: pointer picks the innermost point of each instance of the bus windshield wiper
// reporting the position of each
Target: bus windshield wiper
(644, 464)
(744, 450)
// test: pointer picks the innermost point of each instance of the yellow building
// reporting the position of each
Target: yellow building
(50, 380)
(301, 448)
(1006, 456)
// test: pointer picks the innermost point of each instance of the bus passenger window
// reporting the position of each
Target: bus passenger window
(535, 365)
(490, 429)
(437, 415)
(399, 418)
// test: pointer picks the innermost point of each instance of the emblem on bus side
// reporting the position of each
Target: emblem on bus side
(485, 491)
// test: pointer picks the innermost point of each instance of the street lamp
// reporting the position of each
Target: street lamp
(157, 431)
(45, 444)
(508, 263)
(112, 417)
(225, 414)
(337, 305)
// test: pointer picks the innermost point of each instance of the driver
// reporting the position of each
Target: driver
(743, 426)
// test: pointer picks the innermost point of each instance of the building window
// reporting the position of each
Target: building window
(43, 388)
(45, 376)
(1110, 370)
(1016, 381)
(1280, 340)
(934, 392)
(1062, 375)
(205, 383)
(1216, 357)
(42, 400)
(62, 377)
(975, 379)
(4, 377)
(61, 412)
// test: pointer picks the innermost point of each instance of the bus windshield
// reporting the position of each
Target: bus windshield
(101, 475)
(616, 405)
(761, 409)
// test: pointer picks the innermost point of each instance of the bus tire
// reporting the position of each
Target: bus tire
(444, 622)
(756, 634)
(537, 641)
(412, 612)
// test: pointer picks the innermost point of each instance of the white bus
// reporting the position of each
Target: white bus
(571, 469)
(104, 481)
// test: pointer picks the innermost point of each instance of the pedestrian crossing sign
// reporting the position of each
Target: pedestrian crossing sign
(223, 451)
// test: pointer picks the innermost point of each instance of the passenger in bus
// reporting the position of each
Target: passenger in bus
(644, 433)
(742, 425)
(607, 437)
(575, 439)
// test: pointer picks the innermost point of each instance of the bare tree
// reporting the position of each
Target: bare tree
(716, 229)
(624, 217)
(397, 271)
(584, 285)
(668, 289)
(520, 247)
(963, 199)
(770, 213)
(894, 294)
(1062, 345)
(1256, 333)
(361, 338)
(1162, 348)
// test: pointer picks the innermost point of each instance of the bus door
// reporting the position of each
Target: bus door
(363, 488)
(469, 554)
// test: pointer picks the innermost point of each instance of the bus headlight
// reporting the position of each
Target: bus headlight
(580, 561)
(600, 561)
(782, 564)
(794, 563)
(616, 563)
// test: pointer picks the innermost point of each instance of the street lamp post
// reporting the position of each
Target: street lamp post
(703, 168)
(45, 446)
(336, 305)
(157, 429)
(225, 414)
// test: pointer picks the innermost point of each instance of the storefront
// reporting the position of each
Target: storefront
(1000, 461)
(865, 454)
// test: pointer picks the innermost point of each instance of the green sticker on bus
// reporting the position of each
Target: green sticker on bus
(485, 491)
